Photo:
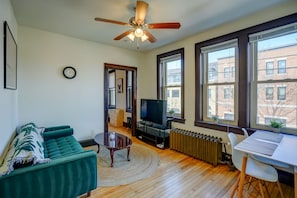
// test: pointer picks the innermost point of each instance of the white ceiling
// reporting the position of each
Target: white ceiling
(76, 17)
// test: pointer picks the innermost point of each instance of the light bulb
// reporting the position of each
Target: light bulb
(131, 36)
(144, 38)
(138, 32)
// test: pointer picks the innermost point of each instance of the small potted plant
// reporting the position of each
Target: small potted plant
(171, 112)
(276, 124)
(215, 118)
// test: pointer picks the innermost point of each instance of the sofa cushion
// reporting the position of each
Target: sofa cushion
(61, 147)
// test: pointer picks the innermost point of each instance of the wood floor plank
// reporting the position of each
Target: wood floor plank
(179, 175)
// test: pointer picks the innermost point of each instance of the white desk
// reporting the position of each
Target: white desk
(284, 149)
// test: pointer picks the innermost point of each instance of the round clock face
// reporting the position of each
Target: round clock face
(69, 72)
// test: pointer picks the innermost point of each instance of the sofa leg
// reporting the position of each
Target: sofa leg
(89, 194)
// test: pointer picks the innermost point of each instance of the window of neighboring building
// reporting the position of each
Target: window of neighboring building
(111, 90)
(129, 93)
(269, 68)
(270, 45)
(281, 93)
(171, 79)
(281, 67)
(269, 93)
(227, 72)
(223, 101)
(175, 93)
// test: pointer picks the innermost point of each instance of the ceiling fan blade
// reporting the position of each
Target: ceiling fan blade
(111, 21)
(151, 38)
(123, 35)
(172, 25)
(140, 12)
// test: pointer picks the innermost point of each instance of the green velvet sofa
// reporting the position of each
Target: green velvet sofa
(71, 171)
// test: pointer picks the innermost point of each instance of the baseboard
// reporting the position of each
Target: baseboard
(85, 143)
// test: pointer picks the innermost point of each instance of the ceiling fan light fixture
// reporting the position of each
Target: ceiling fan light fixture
(131, 36)
(138, 32)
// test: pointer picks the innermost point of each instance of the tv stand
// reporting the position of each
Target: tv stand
(156, 133)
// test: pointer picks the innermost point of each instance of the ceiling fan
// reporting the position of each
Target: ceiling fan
(139, 26)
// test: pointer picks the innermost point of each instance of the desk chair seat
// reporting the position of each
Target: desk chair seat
(254, 168)
(274, 163)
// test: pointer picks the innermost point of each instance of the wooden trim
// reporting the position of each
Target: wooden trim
(108, 66)
(159, 91)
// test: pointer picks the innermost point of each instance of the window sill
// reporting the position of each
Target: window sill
(219, 127)
(176, 119)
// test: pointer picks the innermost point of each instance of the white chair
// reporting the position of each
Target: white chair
(274, 163)
(254, 168)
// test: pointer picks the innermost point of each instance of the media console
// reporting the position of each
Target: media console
(156, 133)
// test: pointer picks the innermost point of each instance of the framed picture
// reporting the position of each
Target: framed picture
(10, 59)
(120, 85)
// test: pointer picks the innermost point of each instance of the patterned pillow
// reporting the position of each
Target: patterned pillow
(26, 149)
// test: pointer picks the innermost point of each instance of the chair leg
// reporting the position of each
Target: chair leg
(280, 189)
(261, 189)
(235, 186)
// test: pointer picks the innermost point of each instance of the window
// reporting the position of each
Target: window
(171, 81)
(269, 93)
(269, 68)
(264, 52)
(129, 93)
(223, 101)
(281, 93)
(281, 67)
(226, 93)
(111, 90)
(227, 72)
(175, 93)
(271, 44)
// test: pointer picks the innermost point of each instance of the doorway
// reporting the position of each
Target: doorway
(133, 72)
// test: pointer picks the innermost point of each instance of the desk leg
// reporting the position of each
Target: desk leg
(295, 182)
(242, 176)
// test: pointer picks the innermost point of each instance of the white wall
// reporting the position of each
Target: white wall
(8, 98)
(47, 98)
(147, 83)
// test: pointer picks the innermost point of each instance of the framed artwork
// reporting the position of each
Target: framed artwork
(120, 85)
(10, 59)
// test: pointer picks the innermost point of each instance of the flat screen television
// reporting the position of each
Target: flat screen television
(153, 110)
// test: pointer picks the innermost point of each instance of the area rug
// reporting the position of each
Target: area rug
(143, 163)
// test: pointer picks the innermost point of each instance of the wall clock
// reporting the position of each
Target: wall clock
(69, 72)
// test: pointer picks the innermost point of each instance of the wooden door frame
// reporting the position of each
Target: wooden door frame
(108, 66)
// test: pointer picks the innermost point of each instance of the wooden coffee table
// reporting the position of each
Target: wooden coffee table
(113, 141)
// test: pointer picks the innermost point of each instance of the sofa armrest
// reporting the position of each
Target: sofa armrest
(56, 128)
(57, 133)
(64, 177)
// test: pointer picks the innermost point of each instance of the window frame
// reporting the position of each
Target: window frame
(160, 92)
(244, 95)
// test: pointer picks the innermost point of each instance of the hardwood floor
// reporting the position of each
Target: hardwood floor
(182, 176)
